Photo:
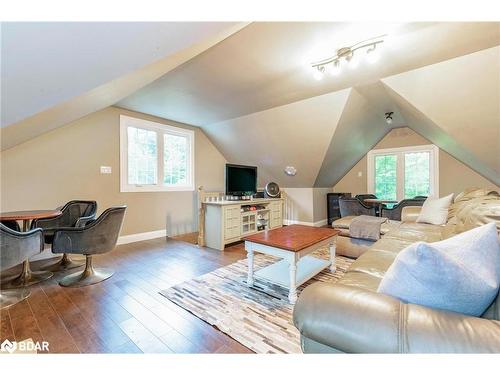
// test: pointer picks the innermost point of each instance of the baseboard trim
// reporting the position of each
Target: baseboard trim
(308, 223)
(122, 240)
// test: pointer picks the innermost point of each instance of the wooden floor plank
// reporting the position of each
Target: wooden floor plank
(126, 313)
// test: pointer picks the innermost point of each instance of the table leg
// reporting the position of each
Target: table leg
(250, 267)
(292, 295)
(333, 247)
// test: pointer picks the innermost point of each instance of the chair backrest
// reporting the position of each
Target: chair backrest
(16, 247)
(362, 197)
(11, 224)
(97, 237)
(394, 213)
(354, 207)
(71, 212)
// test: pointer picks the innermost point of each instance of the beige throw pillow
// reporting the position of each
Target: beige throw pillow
(435, 210)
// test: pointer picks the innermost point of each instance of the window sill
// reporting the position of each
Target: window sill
(154, 189)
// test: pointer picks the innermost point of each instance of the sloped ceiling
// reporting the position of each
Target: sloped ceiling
(267, 64)
(296, 134)
(361, 126)
(461, 97)
(54, 73)
(253, 94)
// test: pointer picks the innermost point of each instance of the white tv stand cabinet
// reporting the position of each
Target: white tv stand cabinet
(226, 223)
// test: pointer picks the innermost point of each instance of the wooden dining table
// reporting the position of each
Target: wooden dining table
(27, 276)
(379, 202)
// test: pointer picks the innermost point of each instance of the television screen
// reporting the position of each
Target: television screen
(241, 179)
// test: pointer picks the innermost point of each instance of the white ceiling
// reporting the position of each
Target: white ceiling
(251, 88)
(267, 64)
(45, 63)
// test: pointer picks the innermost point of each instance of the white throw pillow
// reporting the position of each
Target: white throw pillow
(460, 274)
(435, 210)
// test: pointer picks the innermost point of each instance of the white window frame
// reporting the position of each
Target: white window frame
(160, 130)
(400, 151)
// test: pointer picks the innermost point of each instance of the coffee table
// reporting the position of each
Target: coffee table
(292, 244)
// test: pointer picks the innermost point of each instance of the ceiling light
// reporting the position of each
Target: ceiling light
(334, 68)
(353, 61)
(372, 54)
(290, 171)
(388, 117)
(351, 55)
(319, 73)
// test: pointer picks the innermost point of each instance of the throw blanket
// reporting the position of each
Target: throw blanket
(366, 227)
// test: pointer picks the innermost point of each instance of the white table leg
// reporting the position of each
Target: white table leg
(292, 295)
(250, 267)
(333, 267)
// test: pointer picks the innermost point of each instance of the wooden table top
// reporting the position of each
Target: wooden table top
(373, 200)
(29, 215)
(292, 237)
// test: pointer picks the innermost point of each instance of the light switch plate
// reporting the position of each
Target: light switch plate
(105, 170)
(360, 174)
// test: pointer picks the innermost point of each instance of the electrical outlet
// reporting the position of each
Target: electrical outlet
(105, 170)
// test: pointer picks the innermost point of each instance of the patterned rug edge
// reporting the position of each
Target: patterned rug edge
(224, 325)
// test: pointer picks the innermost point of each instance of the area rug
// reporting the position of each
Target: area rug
(259, 317)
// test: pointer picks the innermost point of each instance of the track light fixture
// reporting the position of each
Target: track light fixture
(388, 117)
(351, 55)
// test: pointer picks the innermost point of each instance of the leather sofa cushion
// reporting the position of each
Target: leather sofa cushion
(374, 262)
(478, 212)
(411, 232)
(352, 247)
(393, 245)
(343, 223)
(360, 280)
(465, 197)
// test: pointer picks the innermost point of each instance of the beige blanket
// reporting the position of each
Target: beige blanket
(366, 227)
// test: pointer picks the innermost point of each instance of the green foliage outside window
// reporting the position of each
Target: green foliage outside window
(386, 176)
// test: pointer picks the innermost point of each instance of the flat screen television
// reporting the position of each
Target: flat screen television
(241, 179)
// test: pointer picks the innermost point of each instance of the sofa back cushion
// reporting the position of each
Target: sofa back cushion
(464, 197)
(478, 211)
(460, 274)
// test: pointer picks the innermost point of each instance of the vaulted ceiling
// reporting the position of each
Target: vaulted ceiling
(54, 73)
(250, 89)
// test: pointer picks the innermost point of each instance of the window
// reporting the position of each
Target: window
(155, 157)
(403, 173)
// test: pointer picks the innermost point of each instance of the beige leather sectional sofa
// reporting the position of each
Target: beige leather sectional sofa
(351, 317)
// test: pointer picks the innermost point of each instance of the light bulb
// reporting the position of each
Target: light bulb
(353, 61)
(318, 74)
(372, 55)
(334, 68)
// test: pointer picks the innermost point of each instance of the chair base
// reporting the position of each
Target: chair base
(63, 264)
(26, 278)
(89, 276)
(11, 297)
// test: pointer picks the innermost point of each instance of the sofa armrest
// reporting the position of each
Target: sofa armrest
(354, 320)
(410, 213)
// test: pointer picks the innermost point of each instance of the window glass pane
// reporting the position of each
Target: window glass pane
(417, 174)
(142, 159)
(175, 155)
(386, 176)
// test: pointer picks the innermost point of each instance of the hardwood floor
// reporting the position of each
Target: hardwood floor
(124, 314)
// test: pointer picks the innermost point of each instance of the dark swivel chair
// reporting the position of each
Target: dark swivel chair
(362, 197)
(11, 224)
(354, 207)
(96, 237)
(394, 213)
(16, 248)
(74, 214)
